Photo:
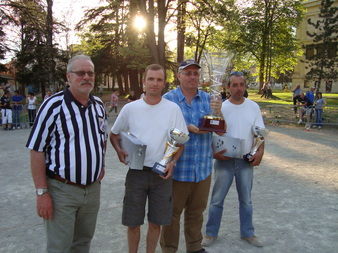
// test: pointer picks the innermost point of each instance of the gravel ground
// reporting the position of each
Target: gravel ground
(294, 196)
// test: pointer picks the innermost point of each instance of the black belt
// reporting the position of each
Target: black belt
(145, 168)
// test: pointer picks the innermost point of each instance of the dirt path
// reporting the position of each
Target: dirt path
(295, 198)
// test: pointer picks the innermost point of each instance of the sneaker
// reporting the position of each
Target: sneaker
(300, 121)
(18, 127)
(314, 126)
(14, 128)
(208, 240)
(253, 241)
(319, 127)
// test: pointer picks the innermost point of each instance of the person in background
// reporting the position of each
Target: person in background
(265, 90)
(149, 120)
(67, 149)
(49, 94)
(320, 103)
(192, 175)
(114, 101)
(241, 114)
(132, 96)
(269, 90)
(305, 103)
(17, 108)
(310, 94)
(6, 111)
(31, 102)
(296, 94)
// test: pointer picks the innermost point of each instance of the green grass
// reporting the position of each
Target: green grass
(281, 97)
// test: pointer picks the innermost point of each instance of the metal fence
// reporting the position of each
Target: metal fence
(285, 113)
(271, 112)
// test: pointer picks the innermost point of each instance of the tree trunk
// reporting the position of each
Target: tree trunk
(181, 29)
(49, 42)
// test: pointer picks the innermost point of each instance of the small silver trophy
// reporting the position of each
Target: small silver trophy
(216, 65)
(176, 136)
(259, 134)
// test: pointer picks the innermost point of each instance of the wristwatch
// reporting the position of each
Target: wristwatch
(41, 191)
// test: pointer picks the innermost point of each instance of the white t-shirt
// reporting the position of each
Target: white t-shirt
(150, 124)
(240, 119)
(31, 103)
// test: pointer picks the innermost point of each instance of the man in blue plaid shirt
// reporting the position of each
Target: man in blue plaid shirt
(192, 174)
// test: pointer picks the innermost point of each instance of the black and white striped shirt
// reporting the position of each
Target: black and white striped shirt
(72, 136)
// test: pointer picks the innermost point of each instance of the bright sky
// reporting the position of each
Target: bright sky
(70, 13)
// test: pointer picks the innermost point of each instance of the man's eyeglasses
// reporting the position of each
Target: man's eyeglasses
(83, 73)
(190, 73)
(236, 73)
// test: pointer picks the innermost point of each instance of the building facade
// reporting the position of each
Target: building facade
(311, 49)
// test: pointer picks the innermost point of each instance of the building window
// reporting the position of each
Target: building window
(332, 51)
(310, 52)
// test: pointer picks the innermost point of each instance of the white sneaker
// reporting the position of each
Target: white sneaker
(314, 126)
(14, 128)
(319, 127)
(208, 240)
(18, 127)
(300, 121)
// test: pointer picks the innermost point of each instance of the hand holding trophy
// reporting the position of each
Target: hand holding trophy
(259, 134)
(216, 65)
(176, 136)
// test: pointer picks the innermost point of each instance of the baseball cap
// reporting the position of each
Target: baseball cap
(188, 63)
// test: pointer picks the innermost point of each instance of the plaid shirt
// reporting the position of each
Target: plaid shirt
(195, 163)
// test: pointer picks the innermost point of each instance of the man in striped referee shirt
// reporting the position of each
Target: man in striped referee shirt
(67, 144)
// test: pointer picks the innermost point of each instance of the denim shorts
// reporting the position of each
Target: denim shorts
(142, 185)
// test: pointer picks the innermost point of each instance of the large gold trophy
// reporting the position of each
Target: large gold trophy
(214, 68)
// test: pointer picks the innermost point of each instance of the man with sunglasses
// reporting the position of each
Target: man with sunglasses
(67, 144)
(241, 114)
(192, 175)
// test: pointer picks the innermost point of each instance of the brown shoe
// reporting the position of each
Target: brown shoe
(253, 240)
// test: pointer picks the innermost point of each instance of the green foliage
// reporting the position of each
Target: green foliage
(264, 33)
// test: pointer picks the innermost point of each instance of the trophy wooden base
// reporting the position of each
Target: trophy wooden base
(212, 124)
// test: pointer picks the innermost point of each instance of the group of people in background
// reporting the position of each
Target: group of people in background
(11, 108)
(309, 103)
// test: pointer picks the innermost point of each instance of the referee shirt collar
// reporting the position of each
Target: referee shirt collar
(70, 98)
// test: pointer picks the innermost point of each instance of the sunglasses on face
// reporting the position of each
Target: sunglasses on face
(190, 73)
(83, 73)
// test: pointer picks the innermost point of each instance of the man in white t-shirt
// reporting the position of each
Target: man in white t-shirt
(149, 120)
(241, 114)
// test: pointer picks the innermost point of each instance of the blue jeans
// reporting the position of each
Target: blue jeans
(225, 171)
(16, 116)
(319, 117)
